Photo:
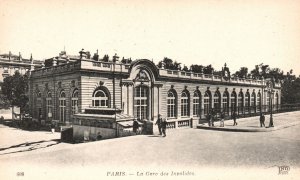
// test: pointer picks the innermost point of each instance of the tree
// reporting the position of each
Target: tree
(196, 68)
(168, 63)
(242, 73)
(208, 69)
(14, 89)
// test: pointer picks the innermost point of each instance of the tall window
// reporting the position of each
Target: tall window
(185, 109)
(75, 101)
(39, 104)
(141, 102)
(100, 98)
(171, 104)
(252, 102)
(258, 102)
(62, 106)
(268, 101)
(206, 102)
(233, 101)
(240, 102)
(225, 102)
(49, 105)
(196, 103)
(247, 101)
(217, 100)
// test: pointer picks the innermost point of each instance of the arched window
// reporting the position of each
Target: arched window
(240, 102)
(206, 102)
(233, 101)
(252, 102)
(101, 98)
(62, 106)
(217, 101)
(247, 102)
(258, 102)
(141, 102)
(225, 102)
(185, 109)
(171, 104)
(74, 100)
(49, 105)
(197, 103)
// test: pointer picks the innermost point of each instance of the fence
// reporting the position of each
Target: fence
(249, 111)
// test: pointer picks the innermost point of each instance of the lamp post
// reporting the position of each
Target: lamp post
(271, 92)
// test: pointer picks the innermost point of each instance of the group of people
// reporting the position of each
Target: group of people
(212, 116)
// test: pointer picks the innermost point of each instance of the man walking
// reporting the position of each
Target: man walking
(262, 120)
(222, 119)
(234, 118)
(158, 123)
(164, 127)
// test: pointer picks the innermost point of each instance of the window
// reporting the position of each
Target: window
(5, 70)
(225, 102)
(196, 103)
(206, 102)
(141, 102)
(233, 101)
(49, 105)
(62, 106)
(252, 102)
(171, 104)
(268, 101)
(217, 101)
(74, 100)
(276, 101)
(185, 109)
(247, 101)
(258, 102)
(100, 98)
(240, 102)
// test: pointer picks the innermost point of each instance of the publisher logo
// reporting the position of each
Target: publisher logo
(283, 170)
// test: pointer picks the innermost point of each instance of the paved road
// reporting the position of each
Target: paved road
(196, 150)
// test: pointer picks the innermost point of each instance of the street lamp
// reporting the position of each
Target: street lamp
(271, 92)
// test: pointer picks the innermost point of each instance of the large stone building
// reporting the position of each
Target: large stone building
(9, 64)
(85, 87)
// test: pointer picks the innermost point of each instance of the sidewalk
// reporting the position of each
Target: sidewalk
(251, 124)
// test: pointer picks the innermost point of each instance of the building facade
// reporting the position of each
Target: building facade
(141, 89)
(9, 64)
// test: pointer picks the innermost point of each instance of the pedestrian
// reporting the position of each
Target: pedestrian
(234, 118)
(208, 117)
(164, 127)
(213, 115)
(158, 123)
(262, 120)
(52, 128)
(222, 116)
(135, 126)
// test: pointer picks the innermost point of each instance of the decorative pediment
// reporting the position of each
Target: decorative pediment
(142, 76)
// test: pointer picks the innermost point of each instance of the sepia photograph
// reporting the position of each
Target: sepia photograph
(149, 89)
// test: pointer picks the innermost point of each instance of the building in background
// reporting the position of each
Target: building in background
(9, 64)
(82, 91)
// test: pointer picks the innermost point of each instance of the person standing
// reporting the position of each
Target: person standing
(262, 120)
(209, 119)
(164, 127)
(222, 116)
(135, 126)
(158, 123)
(234, 118)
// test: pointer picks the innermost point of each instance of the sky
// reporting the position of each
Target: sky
(239, 33)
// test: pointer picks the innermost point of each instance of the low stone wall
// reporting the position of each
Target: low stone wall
(86, 133)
